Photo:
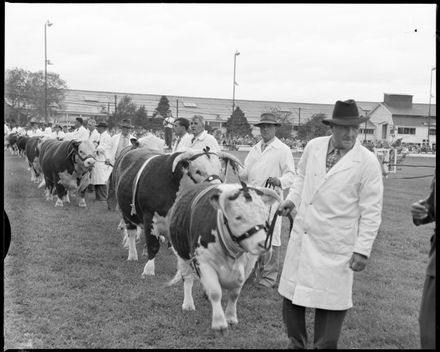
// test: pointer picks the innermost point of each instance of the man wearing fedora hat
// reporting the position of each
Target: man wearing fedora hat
(269, 164)
(338, 192)
(102, 169)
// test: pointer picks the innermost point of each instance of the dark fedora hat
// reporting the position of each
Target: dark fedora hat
(345, 113)
(125, 123)
(57, 125)
(101, 124)
(267, 118)
(80, 120)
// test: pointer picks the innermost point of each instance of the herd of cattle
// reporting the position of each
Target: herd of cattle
(217, 230)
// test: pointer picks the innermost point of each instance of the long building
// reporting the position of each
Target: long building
(395, 117)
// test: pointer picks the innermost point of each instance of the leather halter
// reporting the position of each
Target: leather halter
(210, 178)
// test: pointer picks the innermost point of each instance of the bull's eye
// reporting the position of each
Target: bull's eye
(238, 217)
(198, 172)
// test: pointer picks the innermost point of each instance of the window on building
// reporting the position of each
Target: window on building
(366, 131)
(432, 132)
(189, 105)
(406, 130)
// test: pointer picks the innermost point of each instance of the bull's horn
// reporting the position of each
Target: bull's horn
(229, 157)
(185, 155)
(269, 192)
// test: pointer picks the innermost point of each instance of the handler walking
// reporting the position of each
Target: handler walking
(102, 169)
(338, 192)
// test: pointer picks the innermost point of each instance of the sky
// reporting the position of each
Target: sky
(309, 53)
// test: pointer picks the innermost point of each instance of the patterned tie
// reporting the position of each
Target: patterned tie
(332, 159)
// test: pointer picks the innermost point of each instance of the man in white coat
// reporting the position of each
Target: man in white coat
(202, 138)
(183, 140)
(338, 192)
(102, 169)
(80, 133)
(121, 140)
(269, 164)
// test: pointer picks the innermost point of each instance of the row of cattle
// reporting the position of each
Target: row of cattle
(217, 230)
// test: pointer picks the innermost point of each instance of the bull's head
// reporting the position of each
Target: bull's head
(200, 165)
(84, 152)
(150, 142)
(245, 211)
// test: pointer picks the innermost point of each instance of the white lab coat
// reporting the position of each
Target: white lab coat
(203, 140)
(101, 171)
(275, 161)
(33, 133)
(339, 213)
(184, 143)
(94, 137)
(80, 134)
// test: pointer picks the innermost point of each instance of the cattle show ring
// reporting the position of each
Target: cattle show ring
(69, 281)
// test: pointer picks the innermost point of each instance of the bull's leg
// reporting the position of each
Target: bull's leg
(130, 232)
(82, 199)
(152, 243)
(33, 178)
(188, 280)
(66, 198)
(212, 287)
(231, 306)
(60, 193)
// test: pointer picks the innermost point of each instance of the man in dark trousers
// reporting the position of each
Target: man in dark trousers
(423, 212)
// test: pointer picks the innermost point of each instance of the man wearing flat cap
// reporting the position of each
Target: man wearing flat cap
(338, 192)
(269, 164)
(80, 133)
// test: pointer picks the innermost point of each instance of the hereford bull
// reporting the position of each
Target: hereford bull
(11, 142)
(66, 165)
(218, 232)
(32, 153)
(21, 145)
(147, 184)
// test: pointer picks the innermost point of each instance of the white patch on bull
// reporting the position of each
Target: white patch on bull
(66, 198)
(82, 202)
(149, 269)
(69, 181)
(59, 202)
(84, 182)
(121, 225)
(42, 184)
(132, 252)
(160, 227)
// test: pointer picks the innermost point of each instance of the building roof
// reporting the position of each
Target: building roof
(407, 121)
(213, 109)
(413, 110)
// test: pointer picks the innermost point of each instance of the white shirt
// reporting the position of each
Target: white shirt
(47, 131)
(59, 135)
(7, 130)
(33, 133)
(80, 134)
(182, 143)
(168, 122)
(94, 137)
(204, 140)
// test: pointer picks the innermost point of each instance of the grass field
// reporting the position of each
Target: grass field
(67, 283)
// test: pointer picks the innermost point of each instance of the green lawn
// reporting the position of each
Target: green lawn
(67, 283)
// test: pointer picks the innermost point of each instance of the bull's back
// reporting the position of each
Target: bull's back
(184, 232)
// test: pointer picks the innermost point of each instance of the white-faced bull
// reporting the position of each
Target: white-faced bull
(66, 166)
(147, 184)
(219, 231)
(32, 151)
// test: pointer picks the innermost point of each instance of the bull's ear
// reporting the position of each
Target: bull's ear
(269, 196)
(214, 200)
(134, 143)
(75, 145)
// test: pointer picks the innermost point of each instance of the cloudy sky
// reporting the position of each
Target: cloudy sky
(312, 53)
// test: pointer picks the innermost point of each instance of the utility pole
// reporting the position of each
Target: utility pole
(234, 83)
(115, 103)
(108, 109)
(177, 108)
(429, 111)
(299, 117)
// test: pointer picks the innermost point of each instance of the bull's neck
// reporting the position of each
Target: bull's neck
(231, 248)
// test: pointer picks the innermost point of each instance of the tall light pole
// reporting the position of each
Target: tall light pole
(234, 83)
(429, 109)
(46, 24)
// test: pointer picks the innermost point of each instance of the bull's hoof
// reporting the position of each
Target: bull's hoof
(220, 331)
(188, 307)
(59, 203)
(82, 203)
(232, 321)
(132, 258)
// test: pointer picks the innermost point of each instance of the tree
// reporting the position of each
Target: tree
(237, 125)
(125, 109)
(162, 107)
(313, 128)
(25, 93)
(140, 117)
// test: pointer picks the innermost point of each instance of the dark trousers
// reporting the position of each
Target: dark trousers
(328, 325)
(169, 137)
(101, 192)
(427, 314)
